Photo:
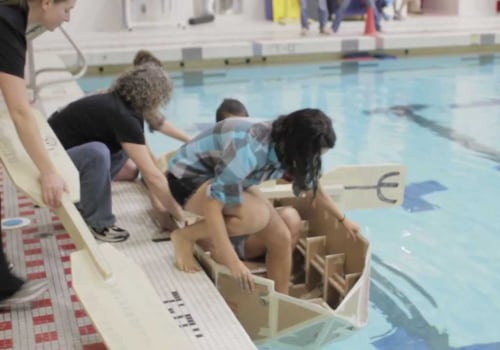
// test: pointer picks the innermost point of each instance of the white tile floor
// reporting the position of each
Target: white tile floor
(58, 321)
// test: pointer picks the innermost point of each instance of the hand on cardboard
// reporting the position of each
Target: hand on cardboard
(53, 186)
(352, 227)
(243, 275)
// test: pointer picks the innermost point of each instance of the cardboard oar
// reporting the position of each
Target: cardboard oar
(115, 292)
(356, 187)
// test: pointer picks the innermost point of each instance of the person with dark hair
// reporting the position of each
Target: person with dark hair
(215, 175)
(230, 107)
(15, 17)
(250, 247)
(100, 132)
(129, 170)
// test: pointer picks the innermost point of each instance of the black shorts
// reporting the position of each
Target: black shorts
(181, 189)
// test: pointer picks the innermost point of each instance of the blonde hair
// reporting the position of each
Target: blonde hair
(145, 88)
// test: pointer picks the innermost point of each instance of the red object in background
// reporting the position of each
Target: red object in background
(370, 22)
(498, 5)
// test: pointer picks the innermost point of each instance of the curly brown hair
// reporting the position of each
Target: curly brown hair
(145, 56)
(145, 89)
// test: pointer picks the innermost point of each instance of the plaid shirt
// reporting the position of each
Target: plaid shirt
(234, 154)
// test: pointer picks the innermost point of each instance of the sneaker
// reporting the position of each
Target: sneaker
(29, 291)
(110, 234)
(304, 31)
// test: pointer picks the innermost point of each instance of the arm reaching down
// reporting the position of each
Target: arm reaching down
(326, 201)
(161, 197)
(15, 95)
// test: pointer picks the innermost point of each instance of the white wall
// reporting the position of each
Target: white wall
(254, 9)
(108, 15)
(477, 8)
(444, 7)
(462, 8)
(96, 15)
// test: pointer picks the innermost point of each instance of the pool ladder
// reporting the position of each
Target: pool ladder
(79, 71)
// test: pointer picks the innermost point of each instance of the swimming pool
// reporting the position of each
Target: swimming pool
(435, 275)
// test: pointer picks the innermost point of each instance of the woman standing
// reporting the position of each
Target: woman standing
(15, 18)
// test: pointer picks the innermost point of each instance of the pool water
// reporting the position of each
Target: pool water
(436, 266)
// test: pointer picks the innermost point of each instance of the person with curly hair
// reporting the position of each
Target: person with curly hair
(129, 171)
(101, 132)
(215, 175)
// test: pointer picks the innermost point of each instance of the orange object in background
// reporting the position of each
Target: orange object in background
(370, 22)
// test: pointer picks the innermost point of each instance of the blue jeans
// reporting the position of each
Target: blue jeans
(96, 166)
(339, 15)
(322, 14)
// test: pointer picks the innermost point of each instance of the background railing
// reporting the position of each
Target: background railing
(77, 71)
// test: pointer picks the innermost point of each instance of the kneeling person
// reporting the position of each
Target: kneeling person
(215, 176)
(100, 132)
(251, 247)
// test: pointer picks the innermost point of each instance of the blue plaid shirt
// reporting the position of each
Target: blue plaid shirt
(234, 154)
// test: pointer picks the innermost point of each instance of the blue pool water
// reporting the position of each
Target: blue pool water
(436, 265)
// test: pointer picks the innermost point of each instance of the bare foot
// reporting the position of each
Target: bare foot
(184, 259)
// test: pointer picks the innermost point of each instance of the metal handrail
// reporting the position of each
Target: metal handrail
(81, 63)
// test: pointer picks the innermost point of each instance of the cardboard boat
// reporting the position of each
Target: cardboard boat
(330, 283)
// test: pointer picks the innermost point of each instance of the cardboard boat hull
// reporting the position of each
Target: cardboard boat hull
(329, 294)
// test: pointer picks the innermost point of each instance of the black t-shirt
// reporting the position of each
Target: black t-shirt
(101, 117)
(13, 22)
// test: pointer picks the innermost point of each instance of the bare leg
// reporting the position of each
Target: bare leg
(277, 240)
(250, 217)
(255, 246)
(183, 241)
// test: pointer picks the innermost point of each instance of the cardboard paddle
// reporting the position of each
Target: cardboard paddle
(356, 186)
(115, 292)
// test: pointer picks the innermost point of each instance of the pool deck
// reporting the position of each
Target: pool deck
(238, 40)
(57, 320)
